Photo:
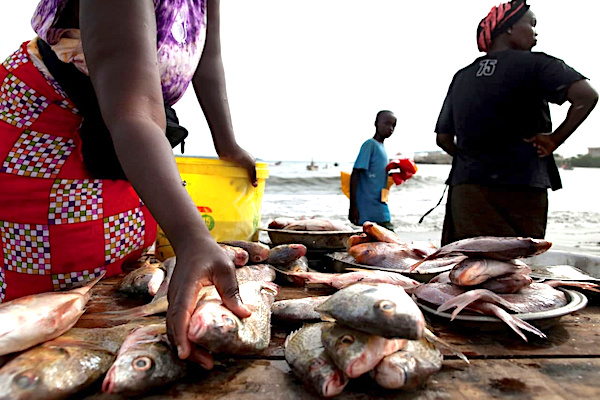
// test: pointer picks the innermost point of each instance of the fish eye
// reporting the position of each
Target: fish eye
(317, 363)
(229, 321)
(346, 339)
(142, 363)
(386, 306)
(25, 380)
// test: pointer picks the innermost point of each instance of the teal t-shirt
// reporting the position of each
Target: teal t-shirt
(372, 159)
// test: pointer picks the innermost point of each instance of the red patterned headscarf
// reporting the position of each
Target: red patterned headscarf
(498, 21)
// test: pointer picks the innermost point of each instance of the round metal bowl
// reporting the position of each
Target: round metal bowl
(541, 320)
(341, 261)
(325, 240)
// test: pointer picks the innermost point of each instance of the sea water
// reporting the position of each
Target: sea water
(294, 191)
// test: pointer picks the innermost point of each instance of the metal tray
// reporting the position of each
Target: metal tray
(341, 261)
(541, 265)
(542, 320)
(327, 240)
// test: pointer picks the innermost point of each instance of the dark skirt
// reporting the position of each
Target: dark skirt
(475, 210)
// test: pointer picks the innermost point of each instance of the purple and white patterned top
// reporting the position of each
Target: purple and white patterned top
(181, 34)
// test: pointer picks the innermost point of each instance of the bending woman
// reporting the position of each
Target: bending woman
(68, 210)
(495, 122)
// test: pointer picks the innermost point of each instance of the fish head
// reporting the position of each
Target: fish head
(136, 371)
(469, 272)
(395, 371)
(34, 374)
(325, 377)
(390, 316)
(212, 318)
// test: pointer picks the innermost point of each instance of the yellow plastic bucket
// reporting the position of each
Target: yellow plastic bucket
(345, 182)
(229, 204)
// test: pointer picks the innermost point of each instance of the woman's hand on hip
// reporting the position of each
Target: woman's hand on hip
(544, 143)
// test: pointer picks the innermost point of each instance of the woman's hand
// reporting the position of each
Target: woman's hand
(206, 265)
(242, 158)
(544, 143)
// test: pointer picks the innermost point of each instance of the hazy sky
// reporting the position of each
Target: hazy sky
(306, 78)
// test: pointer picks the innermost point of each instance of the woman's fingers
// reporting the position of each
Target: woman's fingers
(202, 357)
(181, 306)
(227, 286)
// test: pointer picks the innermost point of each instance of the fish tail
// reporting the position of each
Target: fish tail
(438, 342)
(515, 323)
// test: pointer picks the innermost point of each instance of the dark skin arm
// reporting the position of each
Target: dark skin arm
(353, 214)
(209, 84)
(583, 99)
(119, 42)
(446, 142)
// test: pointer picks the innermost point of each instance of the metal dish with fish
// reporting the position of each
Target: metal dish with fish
(328, 240)
(542, 320)
(342, 261)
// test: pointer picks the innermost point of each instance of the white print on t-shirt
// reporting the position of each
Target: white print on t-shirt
(487, 67)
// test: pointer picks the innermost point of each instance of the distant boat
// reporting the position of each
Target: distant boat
(312, 166)
(278, 163)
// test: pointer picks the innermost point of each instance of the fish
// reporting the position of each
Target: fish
(309, 361)
(298, 265)
(422, 247)
(218, 329)
(356, 352)
(474, 271)
(63, 366)
(37, 318)
(255, 272)
(238, 255)
(342, 280)
(449, 260)
(381, 234)
(257, 252)
(143, 281)
(298, 310)
(280, 222)
(379, 308)
(385, 255)
(318, 224)
(143, 261)
(438, 293)
(498, 248)
(409, 367)
(169, 266)
(286, 253)
(358, 239)
(537, 297)
(145, 360)
(510, 283)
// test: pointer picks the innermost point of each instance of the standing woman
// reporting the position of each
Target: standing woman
(495, 122)
(70, 209)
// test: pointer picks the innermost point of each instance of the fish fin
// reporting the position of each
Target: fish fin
(463, 300)
(157, 307)
(438, 342)
(583, 285)
(515, 323)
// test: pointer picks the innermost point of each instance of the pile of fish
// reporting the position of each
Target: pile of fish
(491, 280)
(376, 329)
(57, 361)
(309, 224)
(379, 247)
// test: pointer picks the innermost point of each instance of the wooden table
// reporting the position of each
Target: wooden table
(564, 366)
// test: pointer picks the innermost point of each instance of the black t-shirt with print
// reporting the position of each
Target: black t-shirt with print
(492, 105)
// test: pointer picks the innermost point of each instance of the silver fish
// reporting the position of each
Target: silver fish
(257, 251)
(63, 366)
(286, 253)
(409, 367)
(340, 281)
(306, 356)
(143, 281)
(30, 320)
(298, 310)
(473, 271)
(356, 352)
(510, 283)
(218, 329)
(498, 248)
(145, 360)
(381, 309)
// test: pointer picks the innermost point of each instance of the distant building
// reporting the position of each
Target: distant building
(594, 151)
(432, 157)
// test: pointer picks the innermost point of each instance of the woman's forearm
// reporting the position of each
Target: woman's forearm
(583, 99)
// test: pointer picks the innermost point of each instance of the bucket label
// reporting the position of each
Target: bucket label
(209, 221)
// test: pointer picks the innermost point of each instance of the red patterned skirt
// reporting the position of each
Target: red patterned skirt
(58, 226)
